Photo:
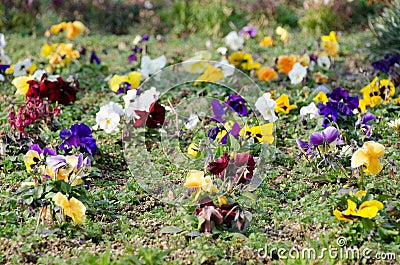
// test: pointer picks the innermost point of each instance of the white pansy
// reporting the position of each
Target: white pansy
(3, 42)
(222, 50)
(311, 110)
(149, 66)
(130, 96)
(142, 102)
(234, 40)
(108, 117)
(324, 62)
(227, 68)
(2, 79)
(21, 68)
(265, 105)
(192, 122)
(107, 120)
(297, 73)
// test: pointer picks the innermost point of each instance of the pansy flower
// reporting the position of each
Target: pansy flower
(238, 104)
(368, 209)
(267, 41)
(384, 65)
(211, 74)
(234, 41)
(329, 44)
(151, 66)
(79, 136)
(262, 134)
(219, 165)
(250, 31)
(368, 156)
(266, 74)
(266, 106)
(283, 105)
(363, 123)
(72, 207)
(297, 73)
(284, 64)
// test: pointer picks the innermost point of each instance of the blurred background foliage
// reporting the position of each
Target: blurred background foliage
(183, 17)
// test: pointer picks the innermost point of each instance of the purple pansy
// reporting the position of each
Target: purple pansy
(250, 30)
(79, 135)
(363, 123)
(132, 58)
(384, 65)
(218, 111)
(45, 151)
(94, 58)
(212, 133)
(328, 135)
(237, 103)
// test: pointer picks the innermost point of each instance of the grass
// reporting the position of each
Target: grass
(293, 207)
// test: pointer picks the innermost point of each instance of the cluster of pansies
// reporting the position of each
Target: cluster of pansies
(60, 54)
(56, 175)
(234, 133)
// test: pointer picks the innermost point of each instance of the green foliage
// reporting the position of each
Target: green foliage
(109, 16)
(209, 17)
(18, 15)
(318, 19)
(286, 16)
(386, 29)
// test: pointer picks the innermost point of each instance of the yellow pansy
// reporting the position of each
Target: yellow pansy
(198, 67)
(134, 79)
(74, 29)
(236, 58)
(55, 29)
(305, 60)
(72, 207)
(222, 200)
(283, 105)
(360, 194)
(330, 45)
(369, 209)
(21, 83)
(263, 133)
(243, 60)
(221, 134)
(193, 150)
(396, 101)
(321, 97)
(116, 80)
(282, 33)
(267, 42)
(47, 49)
(31, 158)
(245, 131)
(195, 179)
(209, 187)
(378, 90)
(341, 217)
(368, 156)
(211, 74)
(331, 37)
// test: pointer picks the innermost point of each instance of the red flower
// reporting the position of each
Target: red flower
(219, 165)
(156, 115)
(59, 90)
(245, 165)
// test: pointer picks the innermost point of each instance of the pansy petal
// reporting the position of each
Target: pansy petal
(359, 158)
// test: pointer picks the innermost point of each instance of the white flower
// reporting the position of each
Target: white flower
(130, 95)
(395, 124)
(142, 102)
(265, 105)
(222, 50)
(234, 41)
(2, 41)
(108, 117)
(346, 150)
(197, 64)
(149, 66)
(107, 120)
(311, 109)
(297, 73)
(2, 79)
(227, 68)
(192, 122)
(324, 62)
(21, 68)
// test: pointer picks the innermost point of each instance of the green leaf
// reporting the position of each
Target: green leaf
(170, 230)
